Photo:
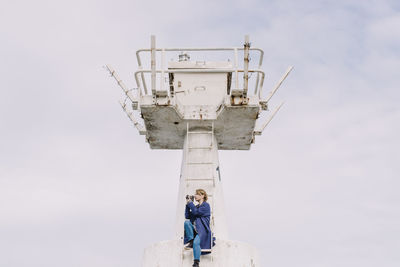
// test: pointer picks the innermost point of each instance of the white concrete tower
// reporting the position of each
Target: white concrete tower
(200, 107)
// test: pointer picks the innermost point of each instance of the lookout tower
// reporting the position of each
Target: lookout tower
(199, 106)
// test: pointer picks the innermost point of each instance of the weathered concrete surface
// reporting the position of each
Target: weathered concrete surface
(233, 125)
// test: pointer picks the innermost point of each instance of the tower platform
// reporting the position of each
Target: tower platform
(233, 125)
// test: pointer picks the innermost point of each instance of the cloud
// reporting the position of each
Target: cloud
(319, 184)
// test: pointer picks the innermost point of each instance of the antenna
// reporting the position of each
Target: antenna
(139, 127)
(271, 94)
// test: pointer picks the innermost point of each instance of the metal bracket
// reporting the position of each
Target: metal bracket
(238, 98)
(162, 100)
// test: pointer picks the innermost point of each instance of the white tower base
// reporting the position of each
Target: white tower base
(225, 254)
(200, 169)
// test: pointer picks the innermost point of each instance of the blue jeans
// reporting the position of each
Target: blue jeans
(189, 231)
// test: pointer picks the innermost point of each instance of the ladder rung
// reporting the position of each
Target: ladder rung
(199, 179)
(203, 250)
(193, 163)
(199, 132)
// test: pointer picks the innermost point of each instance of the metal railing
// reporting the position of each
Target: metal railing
(257, 90)
(142, 84)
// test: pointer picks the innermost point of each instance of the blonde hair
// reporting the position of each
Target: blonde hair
(203, 193)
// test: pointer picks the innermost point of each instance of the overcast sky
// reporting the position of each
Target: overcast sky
(79, 187)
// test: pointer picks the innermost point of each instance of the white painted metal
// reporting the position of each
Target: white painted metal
(121, 83)
(236, 68)
(246, 66)
(199, 113)
(153, 65)
(162, 82)
(271, 94)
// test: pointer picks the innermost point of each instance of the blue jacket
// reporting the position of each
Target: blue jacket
(200, 216)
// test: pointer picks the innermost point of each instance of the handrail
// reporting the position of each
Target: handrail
(142, 71)
(246, 65)
(236, 68)
(199, 49)
(153, 64)
(154, 50)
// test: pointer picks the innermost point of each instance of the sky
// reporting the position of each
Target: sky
(80, 187)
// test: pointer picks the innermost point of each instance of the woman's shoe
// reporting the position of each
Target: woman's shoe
(196, 263)
(189, 245)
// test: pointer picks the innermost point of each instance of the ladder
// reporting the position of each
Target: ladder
(203, 147)
(208, 164)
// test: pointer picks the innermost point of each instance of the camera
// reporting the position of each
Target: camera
(191, 197)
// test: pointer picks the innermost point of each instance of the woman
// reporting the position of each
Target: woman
(197, 227)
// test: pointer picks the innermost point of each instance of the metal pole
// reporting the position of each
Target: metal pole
(258, 75)
(246, 66)
(162, 69)
(271, 94)
(153, 65)
(142, 74)
(236, 70)
(259, 132)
